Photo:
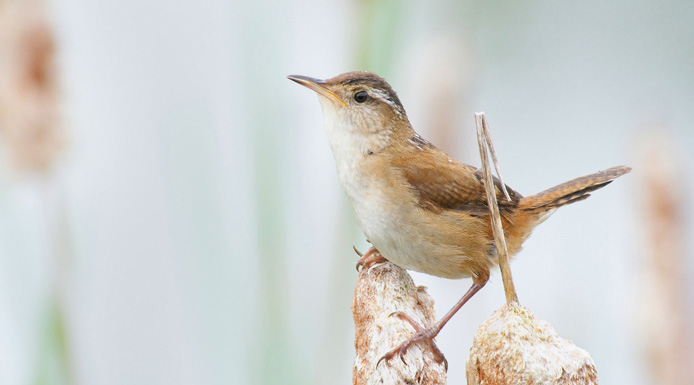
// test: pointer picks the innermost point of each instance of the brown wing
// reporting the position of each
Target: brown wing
(444, 184)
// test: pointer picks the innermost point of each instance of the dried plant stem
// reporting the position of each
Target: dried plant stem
(485, 144)
(512, 346)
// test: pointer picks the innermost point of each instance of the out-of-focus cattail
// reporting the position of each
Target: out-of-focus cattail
(514, 347)
(30, 131)
(666, 318)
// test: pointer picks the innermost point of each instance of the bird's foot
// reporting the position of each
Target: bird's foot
(372, 256)
(421, 335)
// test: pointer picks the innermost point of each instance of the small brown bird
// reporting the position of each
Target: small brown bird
(419, 208)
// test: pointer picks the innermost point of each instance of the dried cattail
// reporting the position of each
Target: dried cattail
(514, 347)
(381, 290)
(29, 114)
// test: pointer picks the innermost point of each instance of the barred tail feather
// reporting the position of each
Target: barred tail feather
(572, 191)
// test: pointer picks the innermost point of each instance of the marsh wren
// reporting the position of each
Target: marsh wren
(419, 208)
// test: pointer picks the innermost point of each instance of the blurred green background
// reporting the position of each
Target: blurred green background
(191, 228)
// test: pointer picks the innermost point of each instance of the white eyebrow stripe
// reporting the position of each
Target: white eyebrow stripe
(382, 96)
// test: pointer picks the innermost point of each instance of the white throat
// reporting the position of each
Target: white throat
(351, 143)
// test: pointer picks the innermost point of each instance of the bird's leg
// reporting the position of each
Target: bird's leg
(369, 258)
(427, 335)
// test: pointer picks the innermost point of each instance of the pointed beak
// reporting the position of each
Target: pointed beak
(317, 85)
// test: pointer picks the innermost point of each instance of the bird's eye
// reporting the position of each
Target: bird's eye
(361, 96)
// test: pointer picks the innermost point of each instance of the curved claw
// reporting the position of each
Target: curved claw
(397, 313)
(401, 350)
(359, 264)
(369, 258)
(438, 356)
(381, 359)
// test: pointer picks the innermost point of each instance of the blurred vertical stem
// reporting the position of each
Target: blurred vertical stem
(275, 352)
(272, 356)
(378, 31)
(54, 365)
(273, 336)
(33, 139)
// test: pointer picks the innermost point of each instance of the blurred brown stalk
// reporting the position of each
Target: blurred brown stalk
(32, 138)
(29, 114)
(666, 304)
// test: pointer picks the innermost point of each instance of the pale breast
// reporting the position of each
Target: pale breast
(402, 231)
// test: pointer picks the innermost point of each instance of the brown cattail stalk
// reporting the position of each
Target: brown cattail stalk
(30, 131)
(667, 325)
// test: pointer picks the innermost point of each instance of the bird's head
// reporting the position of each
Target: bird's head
(358, 103)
